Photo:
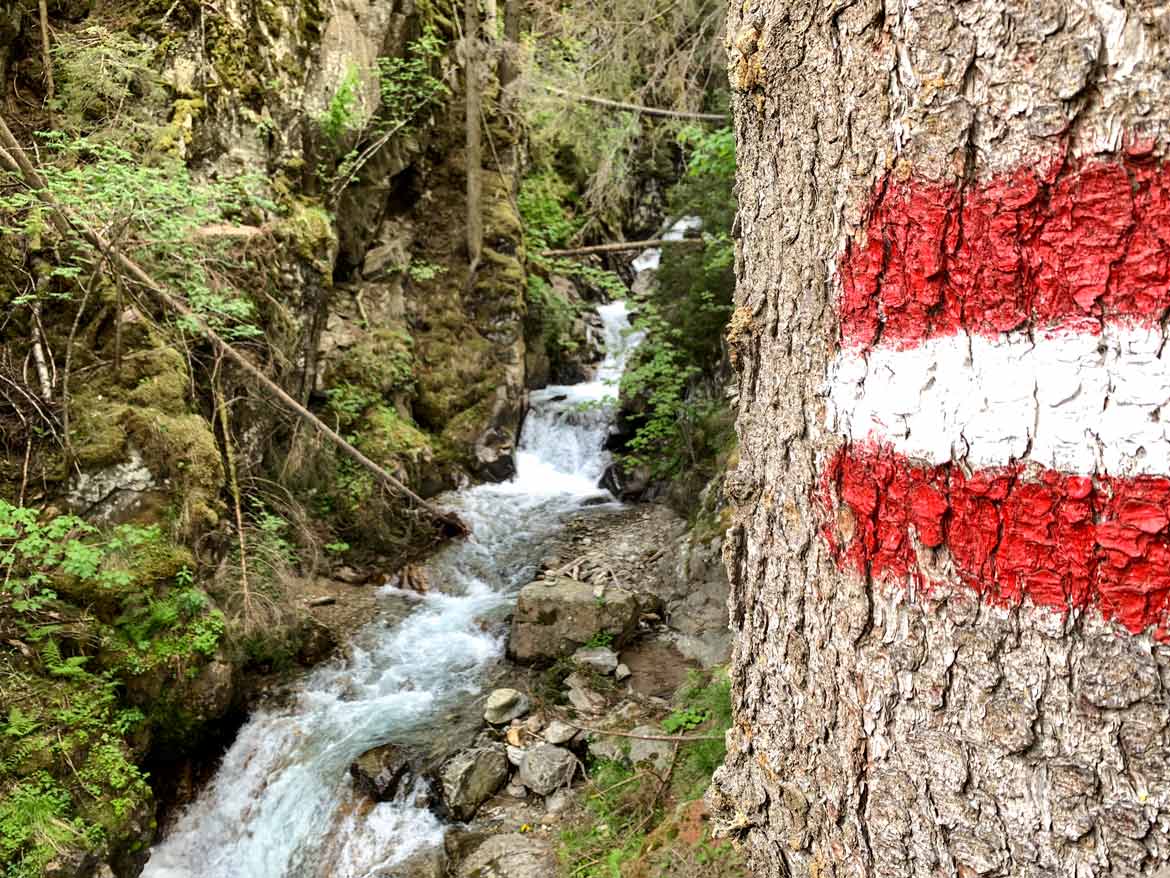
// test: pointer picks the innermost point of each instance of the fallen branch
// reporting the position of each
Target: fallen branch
(672, 739)
(625, 245)
(13, 154)
(637, 108)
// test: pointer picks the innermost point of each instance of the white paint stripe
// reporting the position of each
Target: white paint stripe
(1075, 402)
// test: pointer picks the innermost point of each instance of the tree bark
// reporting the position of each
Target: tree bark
(474, 147)
(898, 712)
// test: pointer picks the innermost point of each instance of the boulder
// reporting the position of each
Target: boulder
(622, 672)
(657, 753)
(555, 617)
(559, 732)
(427, 863)
(514, 855)
(606, 747)
(547, 768)
(505, 705)
(383, 773)
(599, 659)
(581, 696)
(470, 778)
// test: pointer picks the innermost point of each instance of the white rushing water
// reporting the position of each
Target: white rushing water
(281, 804)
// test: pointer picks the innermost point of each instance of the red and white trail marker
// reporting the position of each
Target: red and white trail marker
(1003, 389)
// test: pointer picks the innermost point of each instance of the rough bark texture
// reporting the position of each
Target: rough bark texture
(887, 729)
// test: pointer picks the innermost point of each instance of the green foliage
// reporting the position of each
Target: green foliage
(544, 202)
(344, 113)
(106, 82)
(683, 316)
(555, 313)
(407, 84)
(600, 640)
(36, 555)
(684, 719)
(152, 213)
(422, 271)
(620, 805)
(636, 51)
(706, 695)
(407, 87)
(36, 822)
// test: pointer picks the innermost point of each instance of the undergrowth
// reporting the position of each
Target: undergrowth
(85, 612)
(627, 807)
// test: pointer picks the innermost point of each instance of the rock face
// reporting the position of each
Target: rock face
(383, 773)
(511, 856)
(547, 768)
(505, 705)
(556, 617)
(471, 778)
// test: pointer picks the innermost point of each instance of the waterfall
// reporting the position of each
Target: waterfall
(282, 804)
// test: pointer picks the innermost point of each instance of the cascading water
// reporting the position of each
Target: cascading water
(281, 803)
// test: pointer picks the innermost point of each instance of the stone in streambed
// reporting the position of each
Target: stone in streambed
(557, 616)
(382, 773)
(471, 778)
(514, 855)
(505, 705)
(547, 768)
(622, 672)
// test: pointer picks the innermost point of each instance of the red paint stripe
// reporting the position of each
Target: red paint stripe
(1069, 246)
(1060, 541)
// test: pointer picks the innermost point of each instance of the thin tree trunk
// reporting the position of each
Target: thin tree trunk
(622, 246)
(510, 60)
(951, 632)
(474, 85)
(47, 56)
(636, 108)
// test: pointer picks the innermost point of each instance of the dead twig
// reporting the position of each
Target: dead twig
(674, 739)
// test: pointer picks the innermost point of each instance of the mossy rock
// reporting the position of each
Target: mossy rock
(308, 229)
(386, 437)
(182, 450)
(383, 363)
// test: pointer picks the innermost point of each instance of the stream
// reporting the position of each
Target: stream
(281, 804)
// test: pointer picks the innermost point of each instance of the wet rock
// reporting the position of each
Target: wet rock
(622, 672)
(429, 863)
(559, 732)
(599, 659)
(382, 773)
(555, 617)
(511, 856)
(657, 753)
(505, 705)
(547, 768)
(470, 778)
(211, 693)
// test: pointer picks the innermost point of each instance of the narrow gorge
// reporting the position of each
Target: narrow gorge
(360, 471)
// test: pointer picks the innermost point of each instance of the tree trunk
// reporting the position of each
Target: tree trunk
(949, 558)
(471, 36)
